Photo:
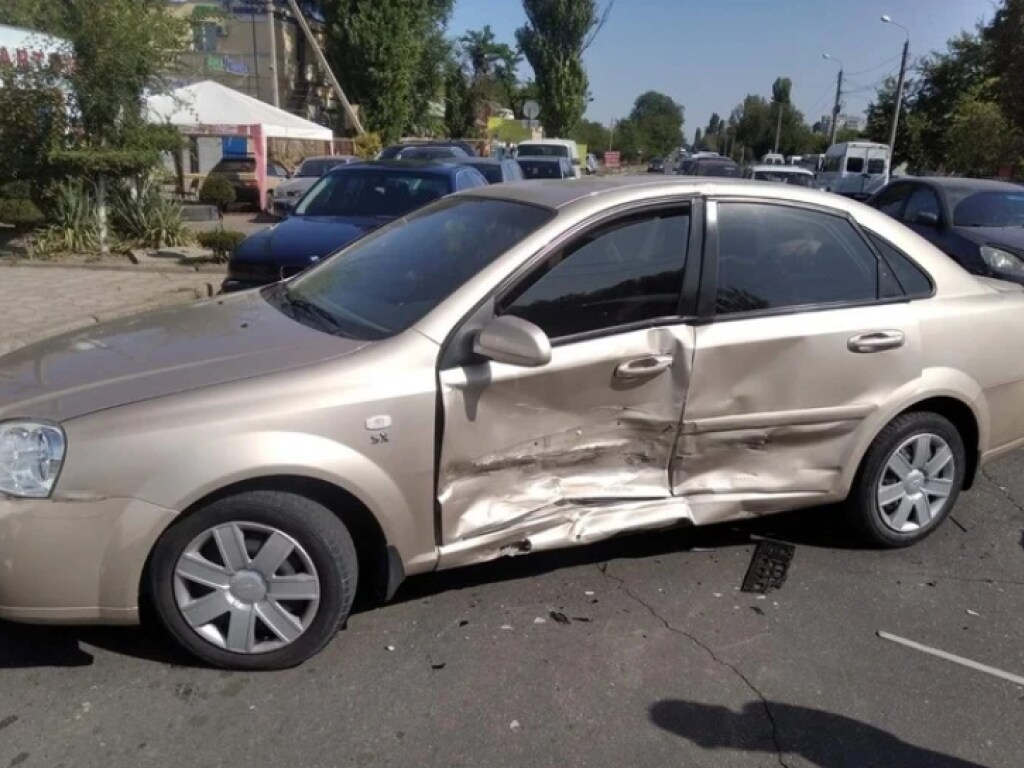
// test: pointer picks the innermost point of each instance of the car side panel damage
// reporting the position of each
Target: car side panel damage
(544, 458)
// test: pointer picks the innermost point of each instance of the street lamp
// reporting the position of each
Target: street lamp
(886, 19)
(839, 95)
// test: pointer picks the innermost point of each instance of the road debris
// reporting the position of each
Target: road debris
(389, 647)
(540, 620)
(507, 627)
(514, 725)
(559, 617)
(768, 567)
(438, 664)
(972, 613)
(970, 663)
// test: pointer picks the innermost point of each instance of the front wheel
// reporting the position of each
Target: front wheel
(260, 580)
(909, 480)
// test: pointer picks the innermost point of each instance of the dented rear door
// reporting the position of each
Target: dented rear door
(809, 337)
(578, 449)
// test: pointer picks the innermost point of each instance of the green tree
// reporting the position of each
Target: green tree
(879, 118)
(781, 90)
(33, 120)
(1004, 43)
(980, 137)
(592, 133)
(429, 84)
(378, 47)
(460, 103)
(555, 35)
(659, 123)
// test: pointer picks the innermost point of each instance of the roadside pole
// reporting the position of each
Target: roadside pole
(899, 100)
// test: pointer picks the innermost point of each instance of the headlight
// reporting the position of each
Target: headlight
(1002, 261)
(31, 455)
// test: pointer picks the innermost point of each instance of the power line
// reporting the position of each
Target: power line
(877, 66)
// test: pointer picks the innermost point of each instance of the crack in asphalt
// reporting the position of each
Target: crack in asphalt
(779, 754)
(1003, 490)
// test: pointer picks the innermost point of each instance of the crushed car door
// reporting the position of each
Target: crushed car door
(577, 449)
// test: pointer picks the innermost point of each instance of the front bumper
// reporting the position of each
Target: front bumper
(68, 561)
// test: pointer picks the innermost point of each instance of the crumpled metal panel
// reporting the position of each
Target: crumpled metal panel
(560, 454)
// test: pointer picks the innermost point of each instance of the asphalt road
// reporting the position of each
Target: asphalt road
(663, 663)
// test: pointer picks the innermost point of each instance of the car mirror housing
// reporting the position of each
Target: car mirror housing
(514, 341)
(927, 219)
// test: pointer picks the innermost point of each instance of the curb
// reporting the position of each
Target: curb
(170, 269)
(169, 299)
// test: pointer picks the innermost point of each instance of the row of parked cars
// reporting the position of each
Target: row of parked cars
(331, 201)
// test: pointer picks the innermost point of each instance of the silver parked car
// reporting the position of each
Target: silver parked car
(287, 194)
(515, 368)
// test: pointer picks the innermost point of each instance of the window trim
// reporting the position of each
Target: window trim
(709, 287)
(622, 216)
(869, 235)
(484, 310)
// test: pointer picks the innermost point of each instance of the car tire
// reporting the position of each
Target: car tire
(916, 459)
(308, 595)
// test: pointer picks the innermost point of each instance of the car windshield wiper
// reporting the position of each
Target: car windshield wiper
(318, 313)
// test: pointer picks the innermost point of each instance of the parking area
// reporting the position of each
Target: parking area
(640, 651)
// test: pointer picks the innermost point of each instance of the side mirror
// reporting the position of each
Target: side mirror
(927, 219)
(514, 341)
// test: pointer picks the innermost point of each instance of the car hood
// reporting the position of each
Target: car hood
(1011, 237)
(300, 240)
(157, 354)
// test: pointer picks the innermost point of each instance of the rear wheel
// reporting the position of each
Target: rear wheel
(261, 580)
(909, 480)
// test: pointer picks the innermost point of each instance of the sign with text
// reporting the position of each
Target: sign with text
(612, 160)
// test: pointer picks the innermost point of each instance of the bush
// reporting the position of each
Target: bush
(73, 219)
(367, 146)
(140, 214)
(222, 242)
(16, 190)
(217, 190)
(20, 213)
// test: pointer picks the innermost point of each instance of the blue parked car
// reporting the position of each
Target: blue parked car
(343, 205)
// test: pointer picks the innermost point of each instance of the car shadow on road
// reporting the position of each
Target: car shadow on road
(28, 646)
(823, 739)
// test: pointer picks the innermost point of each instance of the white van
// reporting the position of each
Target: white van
(773, 158)
(552, 148)
(855, 169)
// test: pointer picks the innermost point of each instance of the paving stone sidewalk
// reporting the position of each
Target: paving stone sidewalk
(38, 302)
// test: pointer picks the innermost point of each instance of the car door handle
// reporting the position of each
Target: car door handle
(876, 341)
(648, 365)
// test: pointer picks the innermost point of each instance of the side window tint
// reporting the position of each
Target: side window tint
(855, 165)
(773, 256)
(891, 201)
(922, 201)
(914, 281)
(618, 275)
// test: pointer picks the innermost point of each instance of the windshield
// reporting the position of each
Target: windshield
(543, 150)
(317, 168)
(796, 179)
(372, 192)
(385, 282)
(429, 153)
(990, 209)
(541, 170)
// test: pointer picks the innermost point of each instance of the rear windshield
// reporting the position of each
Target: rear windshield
(374, 193)
(429, 153)
(540, 170)
(385, 282)
(543, 150)
(316, 168)
(796, 179)
(491, 171)
(236, 165)
(726, 170)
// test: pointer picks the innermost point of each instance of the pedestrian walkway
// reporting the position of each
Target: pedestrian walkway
(38, 302)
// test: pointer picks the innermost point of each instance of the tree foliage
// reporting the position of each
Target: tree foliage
(555, 35)
(381, 46)
(592, 133)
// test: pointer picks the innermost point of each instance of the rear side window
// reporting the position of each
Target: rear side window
(876, 166)
(618, 275)
(912, 279)
(855, 165)
(774, 257)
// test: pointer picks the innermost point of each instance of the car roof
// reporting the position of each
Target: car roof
(477, 160)
(961, 182)
(783, 168)
(542, 159)
(441, 167)
(326, 157)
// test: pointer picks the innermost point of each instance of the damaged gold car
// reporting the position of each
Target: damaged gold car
(518, 368)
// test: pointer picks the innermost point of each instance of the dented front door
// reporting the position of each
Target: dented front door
(578, 449)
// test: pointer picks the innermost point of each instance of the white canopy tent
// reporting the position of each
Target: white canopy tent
(210, 105)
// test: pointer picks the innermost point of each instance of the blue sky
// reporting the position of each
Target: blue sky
(709, 54)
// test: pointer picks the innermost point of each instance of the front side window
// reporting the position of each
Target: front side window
(832, 163)
(890, 201)
(775, 257)
(621, 274)
(923, 200)
(372, 193)
(386, 281)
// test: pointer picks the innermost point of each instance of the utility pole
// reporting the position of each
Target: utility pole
(297, 12)
(835, 109)
(255, 53)
(899, 99)
(275, 93)
(778, 127)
